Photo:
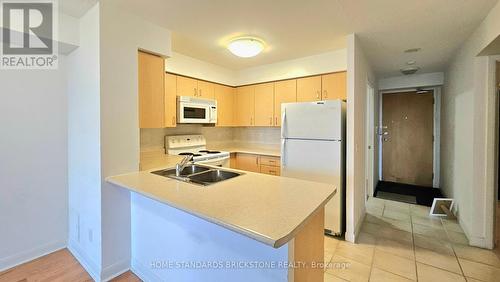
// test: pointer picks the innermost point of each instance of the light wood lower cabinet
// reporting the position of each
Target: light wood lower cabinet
(256, 163)
(247, 162)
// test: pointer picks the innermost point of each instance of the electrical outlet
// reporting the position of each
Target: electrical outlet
(91, 235)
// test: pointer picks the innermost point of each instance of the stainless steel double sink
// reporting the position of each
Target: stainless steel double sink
(198, 174)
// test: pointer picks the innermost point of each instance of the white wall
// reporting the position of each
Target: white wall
(84, 153)
(359, 73)
(467, 133)
(182, 64)
(121, 36)
(33, 163)
(316, 64)
(411, 81)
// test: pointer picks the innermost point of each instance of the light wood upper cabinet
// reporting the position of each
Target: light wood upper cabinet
(225, 105)
(206, 90)
(244, 106)
(309, 89)
(264, 104)
(151, 90)
(334, 86)
(284, 92)
(187, 86)
(170, 100)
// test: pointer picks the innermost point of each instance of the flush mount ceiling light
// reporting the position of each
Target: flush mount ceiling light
(246, 47)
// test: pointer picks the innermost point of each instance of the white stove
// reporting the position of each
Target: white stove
(196, 146)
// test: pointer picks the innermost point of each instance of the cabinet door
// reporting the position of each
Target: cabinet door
(247, 162)
(264, 104)
(284, 92)
(225, 105)
(334, 86)
(170, 100)
(309, 89)
(151, 90)
(271, 170)
(206, 89)
(244, 106)
(187, 86)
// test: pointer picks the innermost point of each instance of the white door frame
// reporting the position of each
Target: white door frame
(370, 138)
(437, 130)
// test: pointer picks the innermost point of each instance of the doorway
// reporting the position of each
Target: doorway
(408, 147)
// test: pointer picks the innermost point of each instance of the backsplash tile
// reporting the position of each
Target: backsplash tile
(153, 139)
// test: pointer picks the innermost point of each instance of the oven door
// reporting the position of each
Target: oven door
(193, 113)
(220, 162)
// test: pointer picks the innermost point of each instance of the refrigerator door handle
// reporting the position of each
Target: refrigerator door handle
(283, 125)
(283, 159)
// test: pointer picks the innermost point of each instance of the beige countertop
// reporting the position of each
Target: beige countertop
(249, 148)
(267, 208)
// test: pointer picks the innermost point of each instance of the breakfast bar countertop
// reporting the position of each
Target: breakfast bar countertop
(269, 209)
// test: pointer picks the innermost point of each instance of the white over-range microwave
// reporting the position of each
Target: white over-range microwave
(196, 110)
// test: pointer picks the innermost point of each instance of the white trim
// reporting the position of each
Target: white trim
(143, 272)
(370, 138)
(115, 270)
(90, 266)
(437, 130)
(29, 255)
(353, 237)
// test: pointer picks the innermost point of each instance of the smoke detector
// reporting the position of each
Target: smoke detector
(409, 70)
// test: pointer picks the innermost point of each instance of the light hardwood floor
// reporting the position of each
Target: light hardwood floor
(57, 266)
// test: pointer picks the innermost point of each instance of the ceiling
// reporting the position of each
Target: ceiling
(297, 28)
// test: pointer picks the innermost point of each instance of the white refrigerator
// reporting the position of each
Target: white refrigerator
(312, 148)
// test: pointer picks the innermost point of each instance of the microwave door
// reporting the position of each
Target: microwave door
(194, 114)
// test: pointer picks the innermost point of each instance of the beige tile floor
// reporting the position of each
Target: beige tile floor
(401, 242)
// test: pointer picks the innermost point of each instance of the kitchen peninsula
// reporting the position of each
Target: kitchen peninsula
(247, 228)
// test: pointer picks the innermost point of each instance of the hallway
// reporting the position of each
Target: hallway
(401, 242)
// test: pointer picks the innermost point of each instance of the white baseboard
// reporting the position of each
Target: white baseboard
(353, 237)
(475, 241)
(25, 256)
(143, 272)
(90, 266)
(115, 270)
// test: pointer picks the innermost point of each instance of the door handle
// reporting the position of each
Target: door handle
(283, 158)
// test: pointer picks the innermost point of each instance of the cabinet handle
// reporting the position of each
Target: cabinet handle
(199, 92)
(251, 121)
(318, 93)
(326, 93)
(173, 120)
(257, 160)
(271, 121)
(276, 121)
(195, 94)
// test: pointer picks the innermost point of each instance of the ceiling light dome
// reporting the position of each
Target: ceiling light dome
(246, 47)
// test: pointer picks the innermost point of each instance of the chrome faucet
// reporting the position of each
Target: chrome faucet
(180, 166)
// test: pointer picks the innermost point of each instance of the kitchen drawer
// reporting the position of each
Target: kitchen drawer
(272, 170)
(270, 161)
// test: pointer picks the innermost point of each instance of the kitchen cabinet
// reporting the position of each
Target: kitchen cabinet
(187, 86)
(247, 162)
(270, 165)
(151, 69)
(264, 104)
(309, 89)
(334, 86)
(271, 170)
(284, 92)
(170, 100)
(225, 105)
(244, 106)
(206, 90)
